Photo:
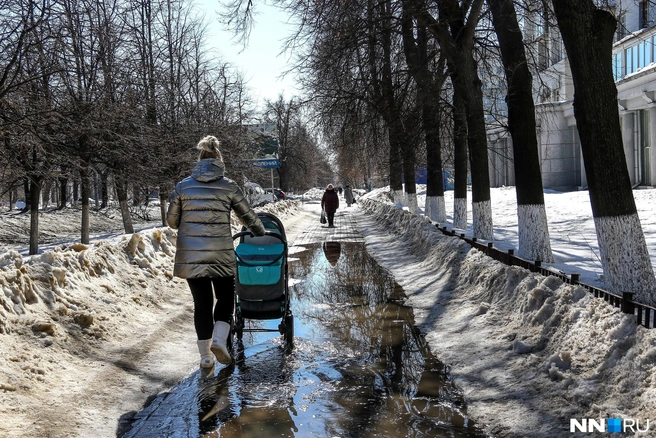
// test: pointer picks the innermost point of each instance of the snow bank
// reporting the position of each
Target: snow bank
(66, 286)
(530, 352)
(49, 281)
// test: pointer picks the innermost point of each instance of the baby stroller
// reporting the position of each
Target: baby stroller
(261, 282)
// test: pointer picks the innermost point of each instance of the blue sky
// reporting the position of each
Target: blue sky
(260, 62)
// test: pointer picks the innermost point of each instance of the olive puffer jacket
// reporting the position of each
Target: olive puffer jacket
(200, 210)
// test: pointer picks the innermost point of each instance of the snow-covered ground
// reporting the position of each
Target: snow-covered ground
(88, 332)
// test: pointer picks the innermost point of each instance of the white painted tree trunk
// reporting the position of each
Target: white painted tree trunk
(435, 208)
(482, 218)
(460, 213)
(398, 197)
(533, 232)
(624, 257)
(411, 199)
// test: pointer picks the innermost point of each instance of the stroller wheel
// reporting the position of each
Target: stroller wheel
(239, 326)
(289, 331)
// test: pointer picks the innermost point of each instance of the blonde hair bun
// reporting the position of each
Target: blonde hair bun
(209, 146)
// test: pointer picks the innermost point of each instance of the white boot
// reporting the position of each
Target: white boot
(219, 339)
(206, 357)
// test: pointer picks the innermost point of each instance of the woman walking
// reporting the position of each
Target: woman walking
(348, 195)
(330, 204)
(200, 210)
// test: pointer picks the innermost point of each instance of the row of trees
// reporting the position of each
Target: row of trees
(126, 87)
(405, 80)
(400, 79)
(119, 90)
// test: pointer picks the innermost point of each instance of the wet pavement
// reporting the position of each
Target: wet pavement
(359, 367)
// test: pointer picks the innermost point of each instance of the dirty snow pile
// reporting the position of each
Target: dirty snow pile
(60, 311)
(76, 321)
(530, 352)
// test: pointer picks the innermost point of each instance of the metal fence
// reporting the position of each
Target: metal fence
(645, 315)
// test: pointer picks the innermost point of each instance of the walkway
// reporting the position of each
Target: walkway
(346, 228)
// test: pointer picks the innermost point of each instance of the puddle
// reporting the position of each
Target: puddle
(360, 368)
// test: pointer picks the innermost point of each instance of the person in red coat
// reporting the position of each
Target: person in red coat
(330, 204)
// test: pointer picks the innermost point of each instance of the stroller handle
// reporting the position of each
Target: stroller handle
(266, 233)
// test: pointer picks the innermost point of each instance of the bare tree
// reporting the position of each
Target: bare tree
(455, 29)
(429, 74)
(26, 100)
(459, 161)
(533, 230)
(284, 114)
(587, 33)
(81, 50)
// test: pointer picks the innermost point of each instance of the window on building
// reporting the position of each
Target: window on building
(644, 50)
(634, 58)
(647, 13)
(618, 72)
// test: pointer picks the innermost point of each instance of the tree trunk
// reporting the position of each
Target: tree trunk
(85, 189)
(468, 82)
(45, 193)
(395, 165)
(96, 187)
(63, 193)
(163, 207)
(163, 198)
(76, 190)
(28, 200)
(136, 196)
(104, 189)
(459, 163)
(390, 108)
(34, 191)
(533, 230)
(428, 88)
(588, 38)
(122, 195)
(435, 207)
(409, 164)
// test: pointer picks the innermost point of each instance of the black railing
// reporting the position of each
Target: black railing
(645, 315)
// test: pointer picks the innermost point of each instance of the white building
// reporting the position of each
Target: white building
(634, 65)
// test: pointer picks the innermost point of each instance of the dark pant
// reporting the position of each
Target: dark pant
(205, 311)
(331, 218)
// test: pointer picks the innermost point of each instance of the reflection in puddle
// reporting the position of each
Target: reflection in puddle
(368, 369)
(254, 400)
(332, 250)
(360, 367)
